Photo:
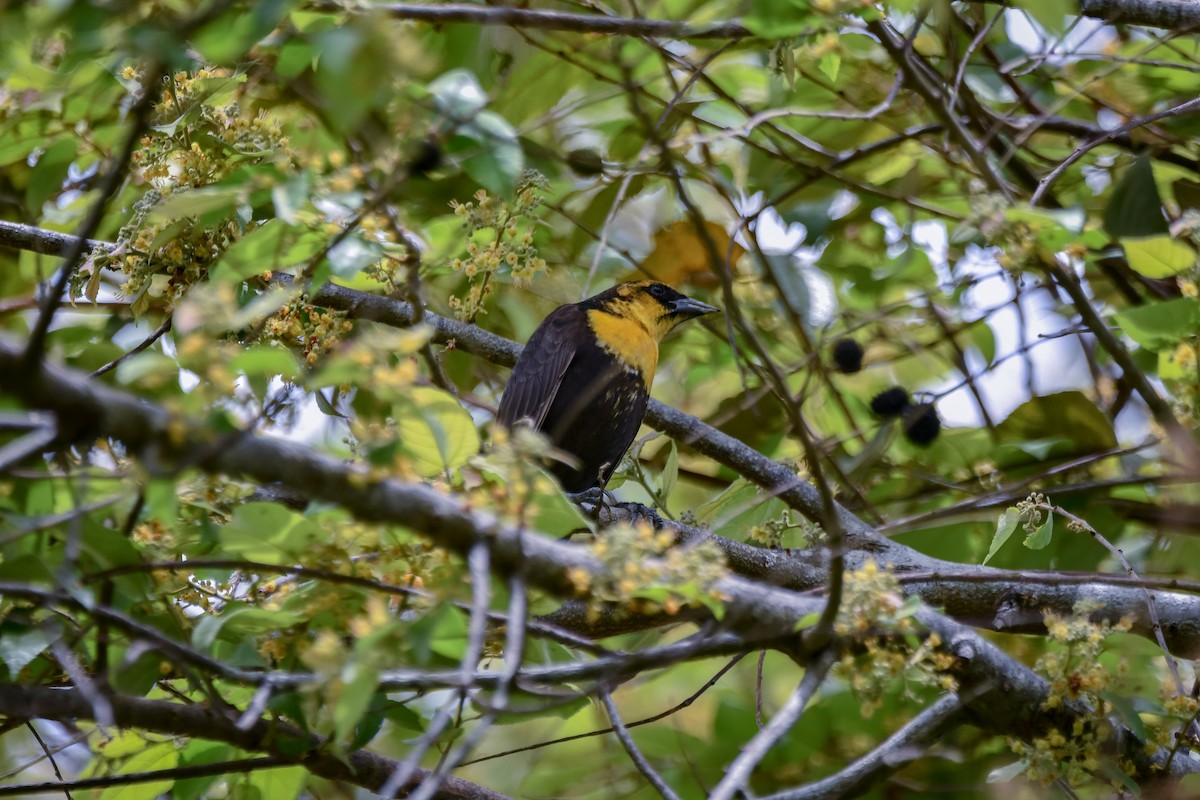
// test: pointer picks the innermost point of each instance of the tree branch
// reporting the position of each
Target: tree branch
(1010, 702)
(289, 743)
(544, 19)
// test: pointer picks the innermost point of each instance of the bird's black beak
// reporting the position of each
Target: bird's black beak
(687, 308)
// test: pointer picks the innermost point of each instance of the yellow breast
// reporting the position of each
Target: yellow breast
(628, 340)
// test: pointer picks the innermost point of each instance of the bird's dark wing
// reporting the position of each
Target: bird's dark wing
(539, 371)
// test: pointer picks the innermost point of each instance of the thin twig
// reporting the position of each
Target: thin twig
(738, 773)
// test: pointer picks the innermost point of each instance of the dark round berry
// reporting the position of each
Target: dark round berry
(921, 424)
(890, 402)
(847, 355)
(425, 157)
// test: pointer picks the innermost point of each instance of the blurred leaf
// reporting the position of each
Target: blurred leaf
(459, 95)
(1052, 15)
(1187, 193)
(268, 532)
(194, 202)
(441, 632)
(1008, 773)
(195, 753)
(1069, 417)
(679, 256)
(271, 245)
(237, 621)
(829, 64)
(351, 255)
(1126, 708)
(670, 471)
(17, 650)
(1135, 208)
(231, 34)
(358, 690)
(1160, 325)
(778, 19)
(145, 365)
(1159, 256)
(50, 172)
(153, 758)
(490, 152)
(435, 431)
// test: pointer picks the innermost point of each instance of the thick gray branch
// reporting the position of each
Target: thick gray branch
(985, 597)
(1177, 15)
(545, 19)
(1011, 695)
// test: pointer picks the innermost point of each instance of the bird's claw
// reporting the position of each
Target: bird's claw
(593, 501)
(638, 512)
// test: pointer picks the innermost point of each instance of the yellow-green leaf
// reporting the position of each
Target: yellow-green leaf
(435, 431)
(1159, 256)
(153, 758)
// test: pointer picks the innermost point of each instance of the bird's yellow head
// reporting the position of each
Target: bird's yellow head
(630, 319)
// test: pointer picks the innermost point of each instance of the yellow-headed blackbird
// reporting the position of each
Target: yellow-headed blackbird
(584, 378)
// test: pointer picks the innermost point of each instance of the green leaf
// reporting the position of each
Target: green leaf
(1161, 325)
(237, 621)
(441, 632)
(49, 173)
(349, 256)
(1008, 773)
(1004, 529)
(459, 95)
(1135, 208)
(789, 274)
(1069, 417)
(195, 753)
(1158, 256)
(1127, 709)
(194, 202)
(829, 64)
(17, 650)
(147, 366)
(271, 245)
(1174, 365)
(778, 19)
(806, 621)
(231, 34)
(1050, 14)
(153, 758)
(1041, 537)
(268, 532)
(263, 362)
(670, 473)
(358, 689)
(435, 431)
(370, 723)
(491, 153)
(295, 57)
(289, 197)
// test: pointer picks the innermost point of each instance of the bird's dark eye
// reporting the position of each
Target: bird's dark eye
(658, 290)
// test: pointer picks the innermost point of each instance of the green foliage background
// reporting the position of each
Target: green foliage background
(488, 172)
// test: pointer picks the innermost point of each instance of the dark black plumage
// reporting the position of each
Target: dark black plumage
(584, 378)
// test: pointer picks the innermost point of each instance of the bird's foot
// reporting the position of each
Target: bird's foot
(593, 501)
(638, 512)
(630, 514)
